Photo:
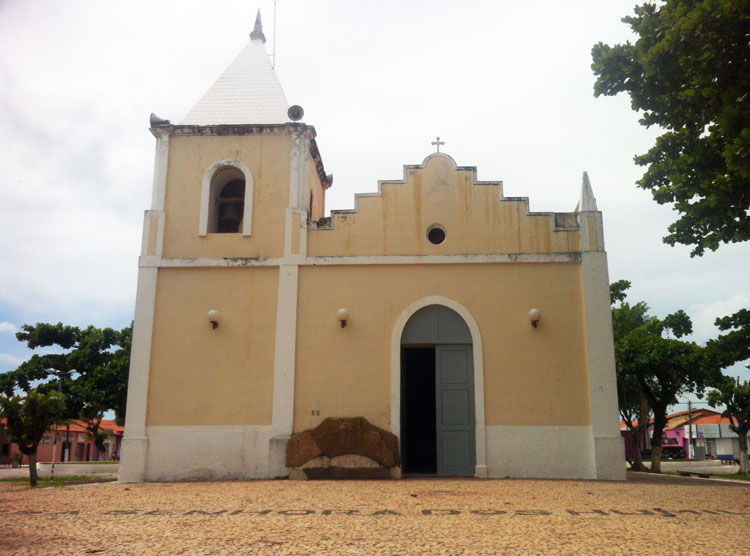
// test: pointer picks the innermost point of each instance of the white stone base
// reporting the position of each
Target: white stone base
(549, 452)
(133, 453)
(207, 453)
(255, 452)
(75, 468)
(610, 458)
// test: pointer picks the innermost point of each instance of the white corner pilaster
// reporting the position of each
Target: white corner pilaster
(161, 161)
(600, 357)
(135, 442)
(282, 420)
(299, 177)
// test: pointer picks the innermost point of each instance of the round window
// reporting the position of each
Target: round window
(436, 234)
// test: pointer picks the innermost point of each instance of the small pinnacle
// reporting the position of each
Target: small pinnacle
(258, 29)
(587, 201)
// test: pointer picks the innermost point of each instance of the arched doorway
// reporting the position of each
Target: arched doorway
(437, 394)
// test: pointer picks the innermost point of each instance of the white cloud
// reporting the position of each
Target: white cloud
(77, 158)
(8, 327)
(9, 360)
(704, 315)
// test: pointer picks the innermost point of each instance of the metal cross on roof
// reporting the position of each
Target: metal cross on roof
(437, 143)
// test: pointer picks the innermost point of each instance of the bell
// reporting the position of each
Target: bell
(231, 212)
(230, 218)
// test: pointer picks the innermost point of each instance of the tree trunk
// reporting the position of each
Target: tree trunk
(743, 452)
(638, 434)
(32, 468)
(660, 422)
(637, 437)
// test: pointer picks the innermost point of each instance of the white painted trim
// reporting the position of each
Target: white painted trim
(288, 219)
(559, 452)
(213, 452)
(146, 232)
(439, 155)
(448, 259)
(160, 235)
(476, 337)
(159, 186)
(289, 231)
(285, 351)
(600, 358)
(573, 257)
(135, 443)
(302, 232)
(299, 171)
(247, 215)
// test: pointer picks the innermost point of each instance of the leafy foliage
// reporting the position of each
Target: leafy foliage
(689, 73)
(633, 406)
(735, 396)
(91, 373)
(734, 346)
(28, 418)
(654, 363)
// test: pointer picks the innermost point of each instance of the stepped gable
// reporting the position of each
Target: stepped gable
(476, 219)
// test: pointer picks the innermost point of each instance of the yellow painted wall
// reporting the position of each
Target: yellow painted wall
(532, 376)
(268, 157)
(474, 217)
(202, 376)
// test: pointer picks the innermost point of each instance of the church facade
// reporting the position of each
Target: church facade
(477, 332)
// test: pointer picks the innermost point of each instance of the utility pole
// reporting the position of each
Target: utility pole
(60, 375)
(690, 430)
(273, 59)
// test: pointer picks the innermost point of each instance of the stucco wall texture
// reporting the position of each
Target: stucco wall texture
(532, 376)
(280, 362)
(475, 219)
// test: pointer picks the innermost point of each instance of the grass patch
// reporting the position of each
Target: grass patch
(46, 481)
(731, 476)
(85, 463)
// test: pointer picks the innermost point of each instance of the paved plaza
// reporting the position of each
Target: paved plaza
(645, 515)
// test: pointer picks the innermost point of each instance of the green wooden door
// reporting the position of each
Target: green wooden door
(454, 420)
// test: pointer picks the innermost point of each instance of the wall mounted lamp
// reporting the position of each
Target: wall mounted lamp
(214, 316)
(343, 315)
(535, 315)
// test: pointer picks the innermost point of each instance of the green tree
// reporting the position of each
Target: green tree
(91, 371)
(633, 405)
(663, 367)
(689, 73)
(28, 418)
(735, 396)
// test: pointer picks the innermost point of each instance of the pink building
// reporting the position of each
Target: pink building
(73, 444)
(678, 425)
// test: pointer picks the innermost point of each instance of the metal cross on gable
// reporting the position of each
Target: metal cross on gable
(437, 143)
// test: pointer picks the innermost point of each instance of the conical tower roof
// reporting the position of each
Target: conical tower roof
(248, 92)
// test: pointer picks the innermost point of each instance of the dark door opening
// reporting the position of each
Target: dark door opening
(418, 431)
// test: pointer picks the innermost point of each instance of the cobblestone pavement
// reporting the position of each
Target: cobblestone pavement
(645, 515)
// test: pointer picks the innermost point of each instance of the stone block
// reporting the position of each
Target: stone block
(346, 447)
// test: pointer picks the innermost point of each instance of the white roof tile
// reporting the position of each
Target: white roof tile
(248, 92)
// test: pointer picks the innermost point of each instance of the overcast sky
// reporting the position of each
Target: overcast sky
(506, 85)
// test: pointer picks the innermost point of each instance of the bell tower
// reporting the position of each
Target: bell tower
(235, 184)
